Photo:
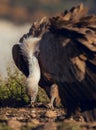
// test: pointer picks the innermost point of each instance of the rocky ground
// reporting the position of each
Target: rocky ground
(39, 118)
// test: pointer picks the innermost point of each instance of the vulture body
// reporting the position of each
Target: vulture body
(66, 56)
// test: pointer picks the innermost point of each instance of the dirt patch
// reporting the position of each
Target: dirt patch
(39, 118)
(28, 118)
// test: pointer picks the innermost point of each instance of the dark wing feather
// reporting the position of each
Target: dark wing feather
(80, 28)
(20, 60)
(68, 18)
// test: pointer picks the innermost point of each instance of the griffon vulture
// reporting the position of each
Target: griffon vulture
(62, 51)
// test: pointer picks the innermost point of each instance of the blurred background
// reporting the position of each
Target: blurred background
(16, 17)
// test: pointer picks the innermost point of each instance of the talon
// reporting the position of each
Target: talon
(81, 119)
(50, 106)
(33, 104)
(29, 106)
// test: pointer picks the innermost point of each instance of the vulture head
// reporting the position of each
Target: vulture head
(62, 52)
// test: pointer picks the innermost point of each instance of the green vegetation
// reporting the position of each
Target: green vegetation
(3, 126)
(69, 126)
(12, 90)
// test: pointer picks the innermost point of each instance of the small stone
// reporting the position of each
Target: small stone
(22, 110)
(33, 114)
(14, 124)
(51, 114)
(35, 121)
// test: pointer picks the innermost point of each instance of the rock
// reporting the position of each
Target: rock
(50, 114)
(22, 110)
(14, 124)
(33, 114)
(47, 126)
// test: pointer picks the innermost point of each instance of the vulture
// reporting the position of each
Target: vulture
(60, 52)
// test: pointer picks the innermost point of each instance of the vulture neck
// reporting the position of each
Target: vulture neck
(34, 69)
(29, 48)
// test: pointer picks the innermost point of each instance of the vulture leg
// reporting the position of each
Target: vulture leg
(52, 92)
(54, 96)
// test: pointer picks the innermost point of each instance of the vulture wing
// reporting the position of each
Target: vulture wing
(70, 58)
(78, 34)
